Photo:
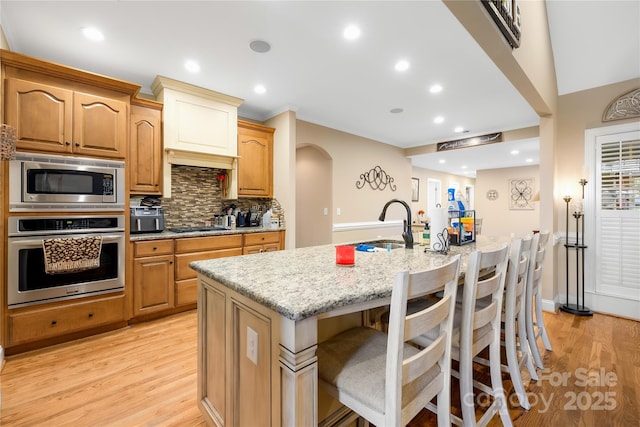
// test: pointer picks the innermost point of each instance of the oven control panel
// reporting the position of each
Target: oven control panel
(22, 226)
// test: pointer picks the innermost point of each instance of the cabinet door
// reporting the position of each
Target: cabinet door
(255, 162)
(153, 284)
(145, 151)
(41, 115)
(99, 126)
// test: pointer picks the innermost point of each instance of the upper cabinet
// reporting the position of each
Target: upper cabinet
(54, 119)
(145, 148)
(64, 110)
(255, 160)
(200, 128)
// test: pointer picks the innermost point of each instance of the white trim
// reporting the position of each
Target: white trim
(598, 301)
(351, 226)
(603, 303)
(550, 305)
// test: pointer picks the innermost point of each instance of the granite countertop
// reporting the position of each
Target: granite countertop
(304, 282)
(171, 235)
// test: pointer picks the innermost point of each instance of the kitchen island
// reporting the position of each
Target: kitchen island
(259, 319)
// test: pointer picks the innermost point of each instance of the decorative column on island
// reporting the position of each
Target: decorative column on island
(578, 308)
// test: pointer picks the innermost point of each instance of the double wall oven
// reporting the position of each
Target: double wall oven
(67, 199)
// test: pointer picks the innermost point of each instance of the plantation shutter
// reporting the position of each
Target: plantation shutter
(618, 215)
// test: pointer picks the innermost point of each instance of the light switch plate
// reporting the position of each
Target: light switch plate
(252, 345)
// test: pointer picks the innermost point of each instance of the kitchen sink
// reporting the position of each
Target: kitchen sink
(383, 243)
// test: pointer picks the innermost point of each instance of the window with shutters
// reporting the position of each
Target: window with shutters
(616, 212)
(620, 175)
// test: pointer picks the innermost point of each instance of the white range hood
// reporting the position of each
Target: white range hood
(200, 129)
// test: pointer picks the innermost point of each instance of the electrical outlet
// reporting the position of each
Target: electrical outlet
(326, 211)
(338, 211)
(252, 345)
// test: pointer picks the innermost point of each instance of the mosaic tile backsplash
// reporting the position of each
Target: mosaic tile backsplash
(197, 197)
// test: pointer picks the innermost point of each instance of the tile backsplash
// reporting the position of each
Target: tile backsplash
(197, 197)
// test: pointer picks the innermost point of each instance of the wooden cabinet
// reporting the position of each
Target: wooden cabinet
(35, 324)
(238, 373)
(255, 160)
(262, 242)
(145, 148)
(192, 249)
(153, 276)
(58, 119)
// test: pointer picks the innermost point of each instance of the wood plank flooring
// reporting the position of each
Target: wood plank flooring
(145, 375)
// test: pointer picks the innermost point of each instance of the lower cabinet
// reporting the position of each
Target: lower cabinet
(192, 249)
(153, 274)
(262, 242)
(162, 278)
(238, 360)
(34, 324)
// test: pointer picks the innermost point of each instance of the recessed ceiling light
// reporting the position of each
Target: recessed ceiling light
(442, 161)
(515, 152)
(402, 65)
(464, 166)
(529, 160)
(192, 66)
(435, 88)
(259, 89)
(458, 129)
(438, 120)
(352, 32)
(260, 46)
(396, 110)
(93, 34)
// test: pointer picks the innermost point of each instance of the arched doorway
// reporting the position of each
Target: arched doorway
(314, 177)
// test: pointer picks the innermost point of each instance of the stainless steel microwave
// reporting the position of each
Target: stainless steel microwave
(40, 183)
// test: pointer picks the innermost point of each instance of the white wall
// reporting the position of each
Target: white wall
(284, 169)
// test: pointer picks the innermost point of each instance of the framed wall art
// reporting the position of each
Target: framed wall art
(520, 193)
(415, 189)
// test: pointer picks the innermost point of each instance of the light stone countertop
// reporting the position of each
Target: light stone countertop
(172, 235)
(304, 282)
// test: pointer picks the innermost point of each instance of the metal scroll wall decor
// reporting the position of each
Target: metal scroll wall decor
(625, 106)
(377, 178)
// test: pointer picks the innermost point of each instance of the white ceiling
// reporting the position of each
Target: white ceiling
(313, 70)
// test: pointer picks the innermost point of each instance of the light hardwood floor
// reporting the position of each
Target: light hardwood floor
(145, 375)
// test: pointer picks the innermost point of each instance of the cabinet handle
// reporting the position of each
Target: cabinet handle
(155, 249)
(54, 322)
(77, 144)
(170, 262)
(90, 315)
(67, 143)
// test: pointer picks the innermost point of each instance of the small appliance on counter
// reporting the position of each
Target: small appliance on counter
(146, 219)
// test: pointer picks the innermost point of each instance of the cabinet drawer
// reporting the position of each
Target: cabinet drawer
(186, 292)
(183, 271)
(196, 244)
(46, 323)
(252, 239)
(153, 247)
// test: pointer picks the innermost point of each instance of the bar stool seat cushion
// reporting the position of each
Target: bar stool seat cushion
(354, 361)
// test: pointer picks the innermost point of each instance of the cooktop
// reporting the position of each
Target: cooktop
(202, 228)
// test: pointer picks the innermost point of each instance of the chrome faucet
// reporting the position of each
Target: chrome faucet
(406, 234)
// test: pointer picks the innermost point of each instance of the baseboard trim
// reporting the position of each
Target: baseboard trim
(549, 305)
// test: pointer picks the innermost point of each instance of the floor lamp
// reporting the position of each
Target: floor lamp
(579, 246)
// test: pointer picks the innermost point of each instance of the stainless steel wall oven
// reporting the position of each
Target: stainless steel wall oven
(29, 283)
